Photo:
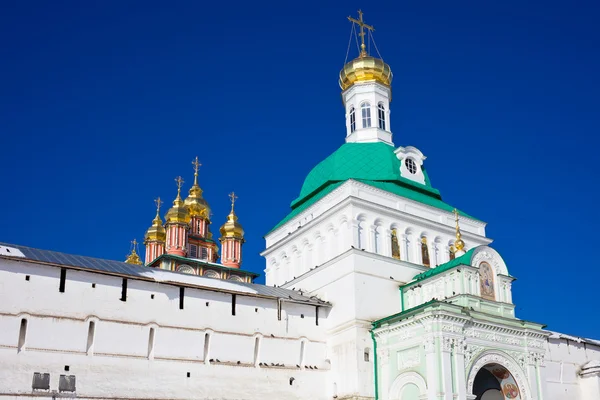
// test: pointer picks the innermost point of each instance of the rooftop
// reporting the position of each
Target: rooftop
(118, 268)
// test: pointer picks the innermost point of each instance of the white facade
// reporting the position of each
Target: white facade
(368, 113)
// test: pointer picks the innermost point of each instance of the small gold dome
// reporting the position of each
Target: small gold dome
(364, 69)
(195, 203)
(132, 257)
(179, 213)
(156, 232)
(232, 228)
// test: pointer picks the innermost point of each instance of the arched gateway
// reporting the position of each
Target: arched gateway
(495, 376)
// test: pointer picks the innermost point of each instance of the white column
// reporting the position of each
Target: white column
(373, 239)
(354, 226)
(446, 360)
(532, 376)
(431, 368)
(387, 242)
(436, 255)
(459, 369)
(404, 253)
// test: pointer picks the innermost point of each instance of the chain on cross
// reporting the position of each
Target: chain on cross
(361, 23)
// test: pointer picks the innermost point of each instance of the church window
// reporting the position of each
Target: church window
(124, 290)
(352, 120)
(425, 252)
(381, 115)
(151, 344)
(193, 251)
(63, 280)
(90, 338)
(198, 227)
(395, 245)
(411, 166)
(206, 346)
(366, 115)
(203, 253)
(256, 350)
(22, 334)
(367, 354)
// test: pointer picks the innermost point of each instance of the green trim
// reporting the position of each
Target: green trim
(203, 264)
(378, 323)
(465, 259)
(375, 376)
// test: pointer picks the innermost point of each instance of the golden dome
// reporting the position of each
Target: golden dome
(179, 213)
(133, 258)
(365, 69)
(232, 228)
(156, 232)
(195, 203)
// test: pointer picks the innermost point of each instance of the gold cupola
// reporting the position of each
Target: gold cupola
(132, 257)
(156, 232)
(364, 68)
(179, 213)
(232, 228)
(195, 203)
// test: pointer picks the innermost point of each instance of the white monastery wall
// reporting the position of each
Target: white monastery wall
(151, 341)
(564, 358)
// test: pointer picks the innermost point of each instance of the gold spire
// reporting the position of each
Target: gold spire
(232, 228)
(360, 22)
(364, 68)
(132, 257)
(156, 232)
(459, 245)
(195, 203)
(179, 212)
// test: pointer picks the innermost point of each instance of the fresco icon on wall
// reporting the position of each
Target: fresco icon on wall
(486, 281)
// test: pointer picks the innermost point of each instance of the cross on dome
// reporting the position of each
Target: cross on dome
(233, 198)
(360, 22)
(158, 203)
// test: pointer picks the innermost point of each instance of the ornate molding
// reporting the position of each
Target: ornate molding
(497, 357)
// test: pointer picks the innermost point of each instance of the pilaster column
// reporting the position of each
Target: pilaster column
(436, 255)
(532, 375)
(372, 247)
(354, 226)
(460, 377)
(384, 378)
(446, 364)
(404, 254)
(387, 242)
(431, 367)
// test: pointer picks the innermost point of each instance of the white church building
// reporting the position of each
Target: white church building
(376, 289)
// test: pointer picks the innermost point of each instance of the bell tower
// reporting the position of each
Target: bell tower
(366, 93)
(232, 238)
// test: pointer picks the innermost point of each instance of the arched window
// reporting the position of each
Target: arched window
(395, 245)
(381, 115)
(352, 120)
(425, 252)
(365, 109)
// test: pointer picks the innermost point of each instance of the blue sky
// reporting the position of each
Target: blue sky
(103, 104)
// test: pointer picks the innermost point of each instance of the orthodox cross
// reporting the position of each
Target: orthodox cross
(158, 202)
(457, 226)
(360, 22)
(233, 198)
(134, 243)
(179, 181)
(196, 165)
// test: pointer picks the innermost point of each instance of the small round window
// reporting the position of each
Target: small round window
(411, 166)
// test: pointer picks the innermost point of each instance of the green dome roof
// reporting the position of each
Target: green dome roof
(359, 161)
(374, 164)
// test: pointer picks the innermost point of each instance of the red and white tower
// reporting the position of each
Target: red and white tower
(232, 238)
(177, 225)
(155, 237)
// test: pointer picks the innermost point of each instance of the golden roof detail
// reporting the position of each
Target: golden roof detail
(132, 257)
(179, 212)
(459, 245)
(364, 68)
(232, 228)
(156, 232)
(195, 203)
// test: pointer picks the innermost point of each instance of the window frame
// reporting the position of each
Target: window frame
(365, 112)
(381, 116)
